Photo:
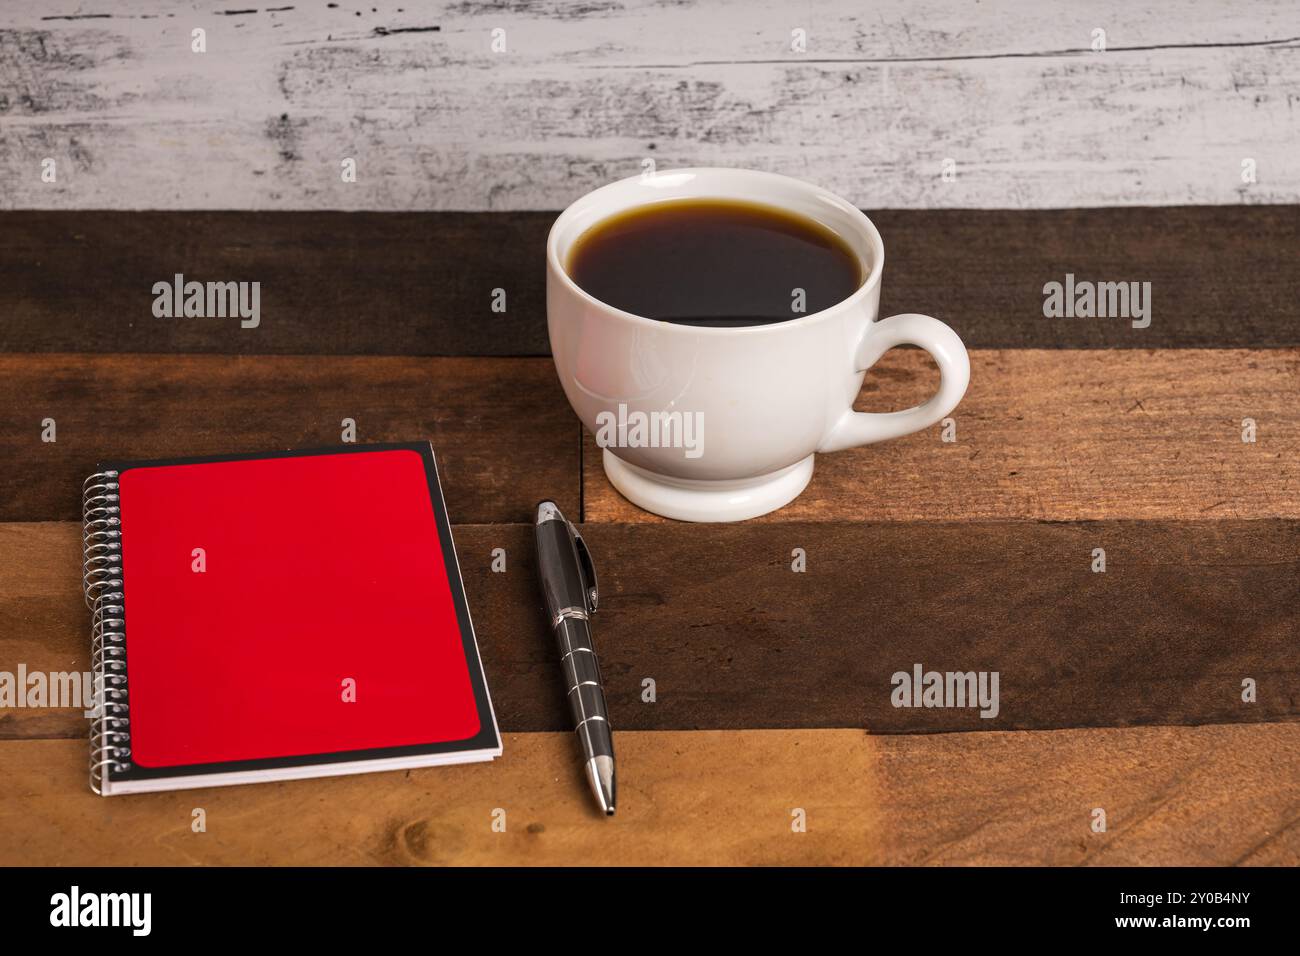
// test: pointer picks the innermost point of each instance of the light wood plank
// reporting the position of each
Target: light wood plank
(1013, 93)
(501, 429)
(1060, 436)
(1189, 796)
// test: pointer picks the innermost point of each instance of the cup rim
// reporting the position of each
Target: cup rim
(872, 280)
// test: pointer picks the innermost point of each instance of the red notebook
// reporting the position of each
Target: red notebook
(269, 617)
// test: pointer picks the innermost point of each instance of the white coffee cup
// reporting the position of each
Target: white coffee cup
(721, 424)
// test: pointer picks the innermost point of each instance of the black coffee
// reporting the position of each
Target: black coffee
(714, 262)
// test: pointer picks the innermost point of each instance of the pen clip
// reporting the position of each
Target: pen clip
(588, 569)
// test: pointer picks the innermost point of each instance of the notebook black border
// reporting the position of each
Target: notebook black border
(488, 736)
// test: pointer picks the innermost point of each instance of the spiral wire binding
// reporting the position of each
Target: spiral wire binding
(101, 579)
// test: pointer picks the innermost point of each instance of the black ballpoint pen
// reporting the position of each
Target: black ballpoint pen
(569, 588)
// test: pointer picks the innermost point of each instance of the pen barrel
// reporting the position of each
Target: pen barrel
(562, 582)
(584, 688)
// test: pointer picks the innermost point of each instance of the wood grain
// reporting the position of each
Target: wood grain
(423, 283)
(1060, 436)
(502, 431)
(1185, 796)
(733, 638)
(436, 119)
(330, 282)
(1041, 434)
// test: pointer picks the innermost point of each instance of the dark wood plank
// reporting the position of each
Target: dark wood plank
(331, 282)
(501, 428)
(709, 797)
(1060, 435)
(422, 283)
(733, 638)
(1221, 277)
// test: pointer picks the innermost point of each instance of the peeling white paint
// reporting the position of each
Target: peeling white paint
(885, 93)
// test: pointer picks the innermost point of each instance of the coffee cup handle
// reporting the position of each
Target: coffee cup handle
(863, 428)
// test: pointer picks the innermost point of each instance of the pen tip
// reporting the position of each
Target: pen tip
(600, 774)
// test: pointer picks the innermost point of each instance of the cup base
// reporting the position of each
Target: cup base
(689, 499)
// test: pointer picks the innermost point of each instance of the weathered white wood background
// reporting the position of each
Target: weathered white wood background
(1008, 89)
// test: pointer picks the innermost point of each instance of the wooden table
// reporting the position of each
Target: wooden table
(1120, 691)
